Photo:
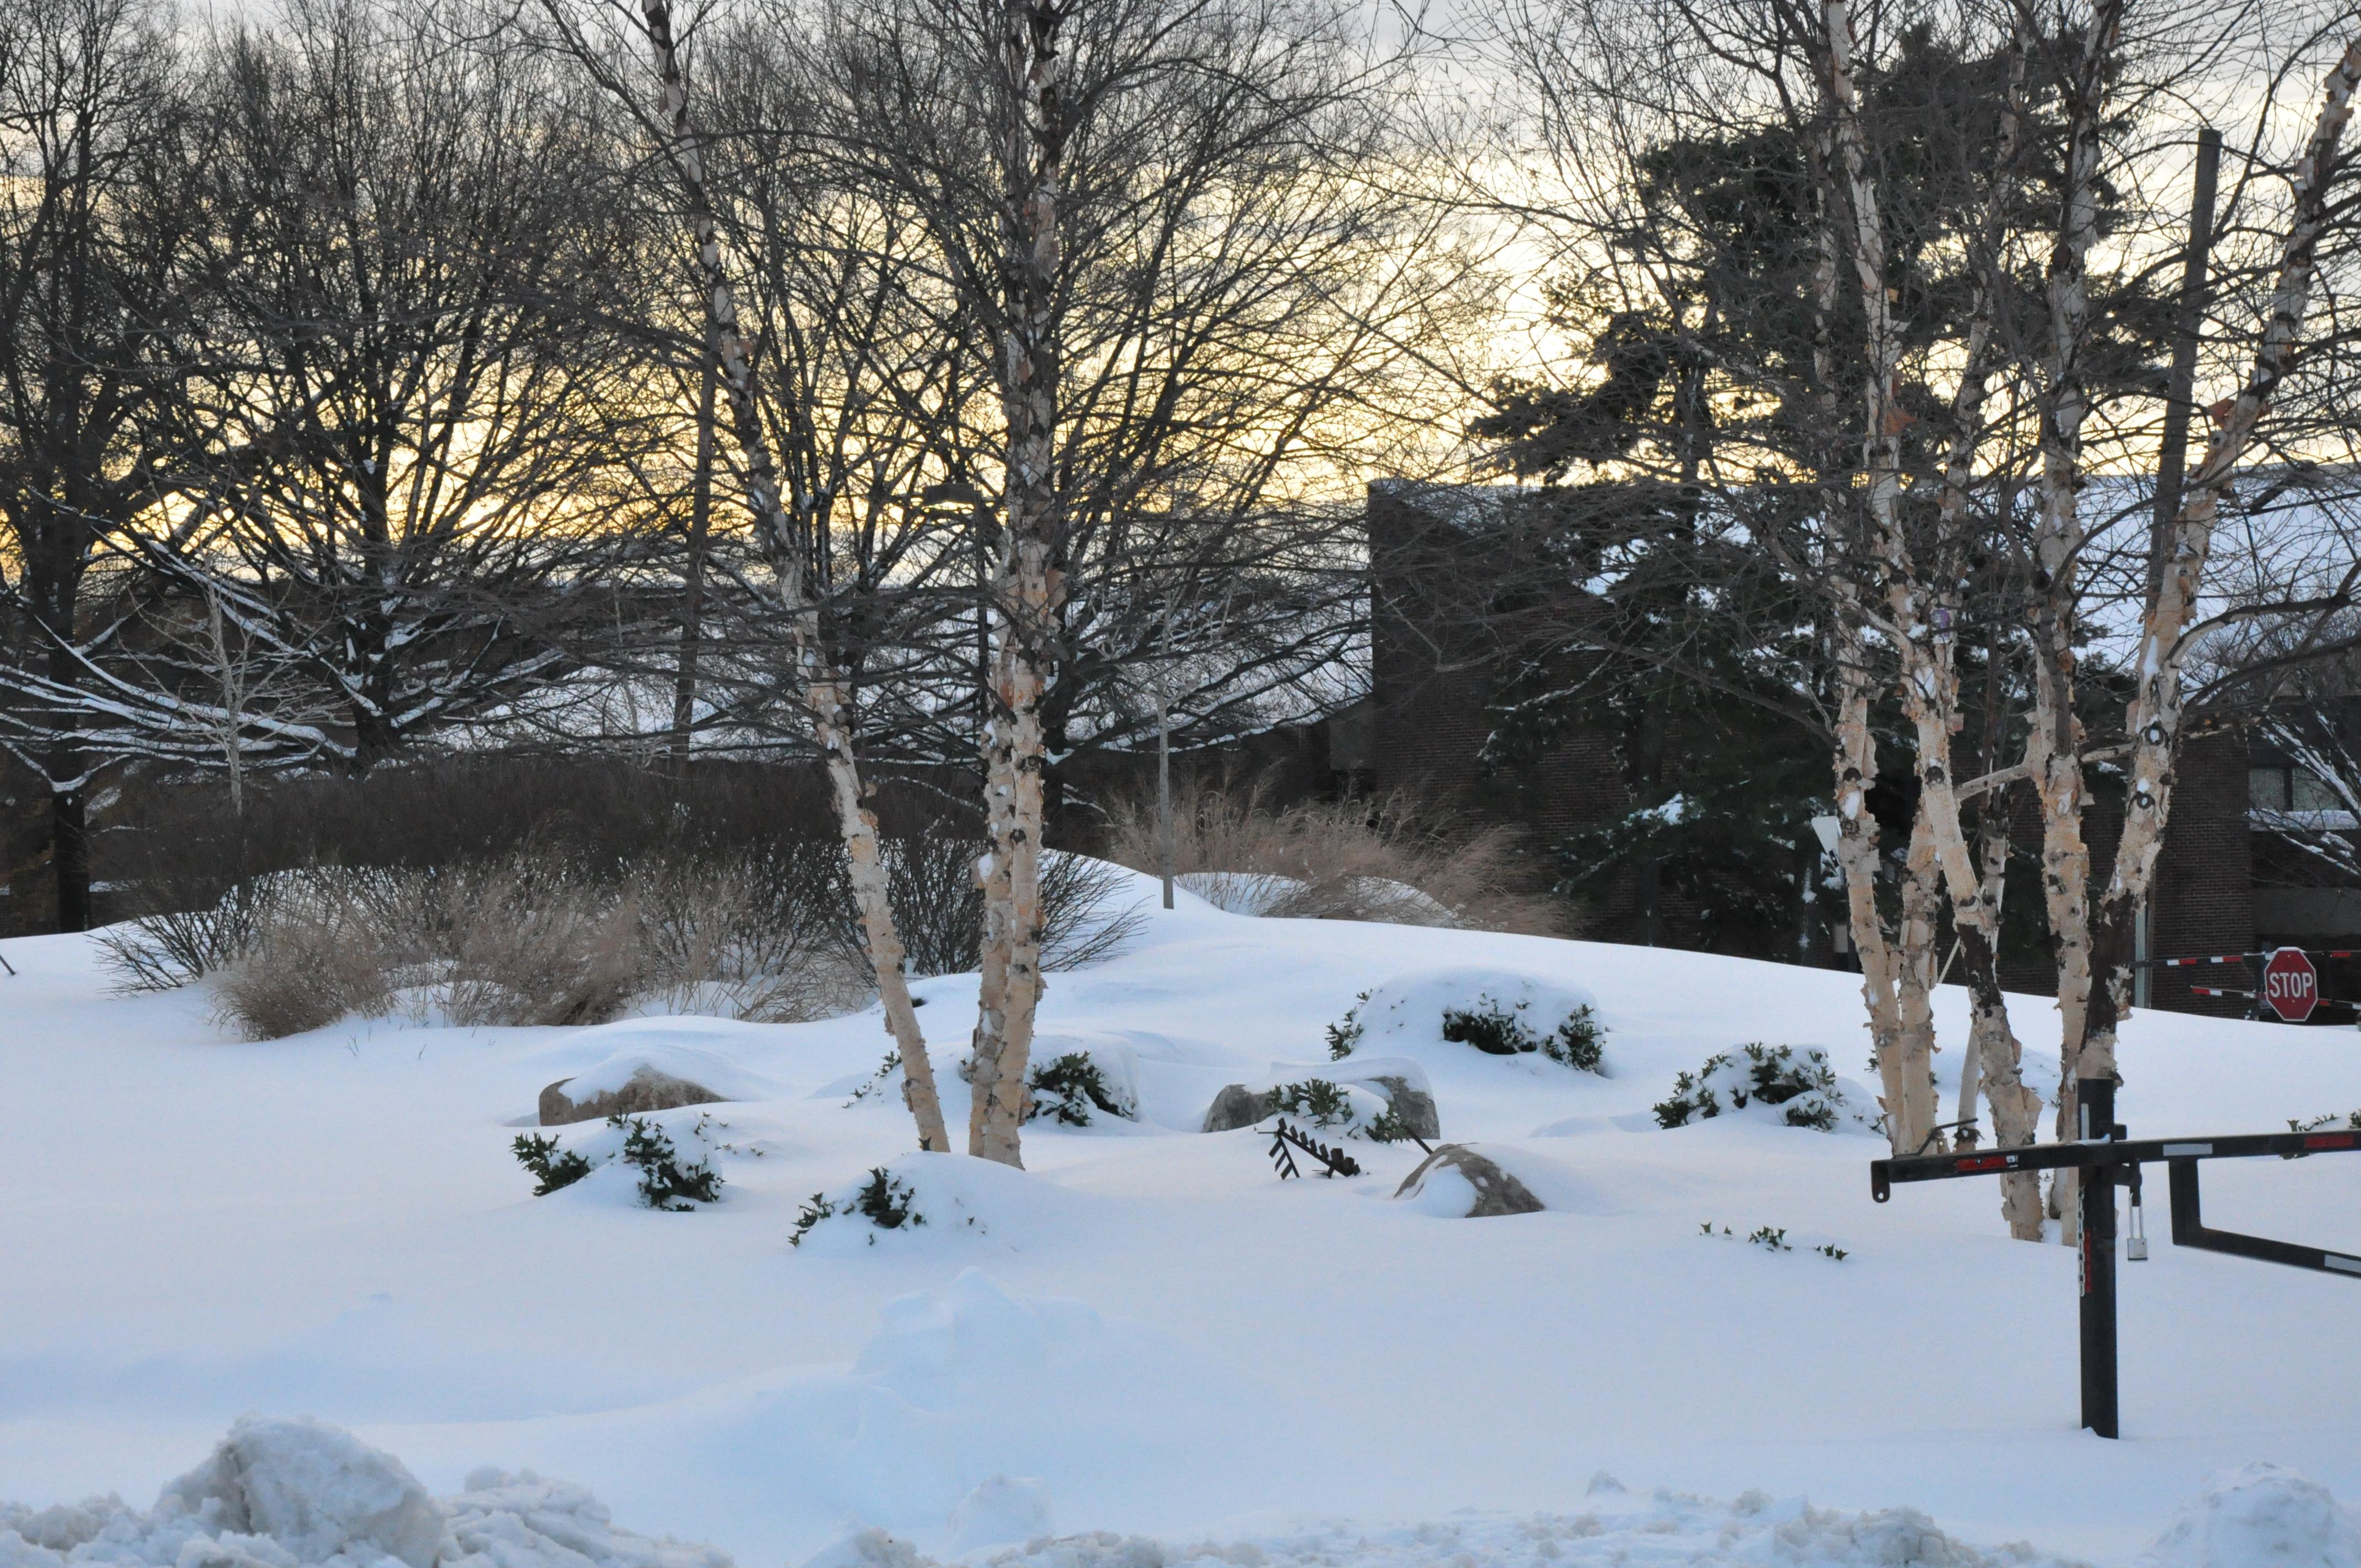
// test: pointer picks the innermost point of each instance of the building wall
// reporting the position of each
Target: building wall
(2204, 899)
(1427, 724)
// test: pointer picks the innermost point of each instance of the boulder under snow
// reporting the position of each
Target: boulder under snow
(1463, 1182)
(1398, 1083)
(646, 1089)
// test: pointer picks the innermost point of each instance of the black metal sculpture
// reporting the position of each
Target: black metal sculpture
(2105, 1155)
(1334, 1161)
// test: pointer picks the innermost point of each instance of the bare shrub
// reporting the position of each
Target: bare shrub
(748, 937)
(1352, 859)
(314, 955)
(938, 907)
(517, 942)
(544, 936)
(170, 949)
(535, 942)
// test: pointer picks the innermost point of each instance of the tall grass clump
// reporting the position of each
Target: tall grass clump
(1384, 859)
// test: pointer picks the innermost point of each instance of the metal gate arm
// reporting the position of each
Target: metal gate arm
(2189, 1230)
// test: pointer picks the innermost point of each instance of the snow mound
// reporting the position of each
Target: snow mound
(300, 1494)
(936, 1348)
(521, 1521)
(948, 1201)
(1666, 1531)
(2259, 1517)
(1407, 1016)
(317, 1491)
(1002, 1511)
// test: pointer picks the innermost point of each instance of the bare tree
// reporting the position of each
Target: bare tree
(822, 679)
(95, 231)
(1724, 169)
(1186, 294)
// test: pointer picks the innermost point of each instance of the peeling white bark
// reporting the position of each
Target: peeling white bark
(1928, 678)
(2153, 718)
(822, 687)
(1030, 583)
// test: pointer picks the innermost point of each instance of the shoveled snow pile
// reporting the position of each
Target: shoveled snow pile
(1620, 1530)
(300, 1494)
(282, 1493)
(2260, 1516)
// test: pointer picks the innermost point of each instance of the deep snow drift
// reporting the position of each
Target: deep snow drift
(1146, 1334)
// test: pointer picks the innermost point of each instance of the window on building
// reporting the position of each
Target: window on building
(2307, 793)
(2290, 789)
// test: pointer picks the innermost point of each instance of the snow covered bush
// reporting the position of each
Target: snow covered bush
(1802, 1086)
(1345, 1033)
(885, 1200)
(1499, 1012)
(1491, 1028)
(551, 1166)
(1579, 1041)
(665, 1181)
(1348, 1109)
(1069, 1087)
(1502, 1030)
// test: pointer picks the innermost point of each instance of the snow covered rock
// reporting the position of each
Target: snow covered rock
(1462, 1182)
(1405, 1108)
(1238, 1106)
(2259, 1517)
(646, 1088)
(316, 1490)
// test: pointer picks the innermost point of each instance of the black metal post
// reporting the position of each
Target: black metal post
(2095, 1105)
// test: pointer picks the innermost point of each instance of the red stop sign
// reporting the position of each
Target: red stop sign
(2290, 985)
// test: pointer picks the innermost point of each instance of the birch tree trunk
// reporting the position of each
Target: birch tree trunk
(2054, 752)
(2154, 716)
(1929, 678)
(1856, 765)
(1855, 759)
(1915, 986)
(823, 683)
(1031, 580)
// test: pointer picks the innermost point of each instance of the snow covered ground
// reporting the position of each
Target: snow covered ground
(1146, 1334)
